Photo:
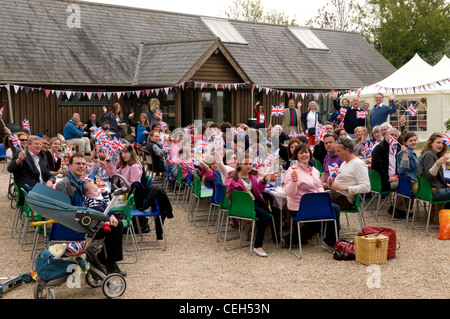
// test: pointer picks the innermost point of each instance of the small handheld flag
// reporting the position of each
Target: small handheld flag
(277, 110)
(446, 138)
(26, 125)
(333, 170)
(412, 110)
(361, 114)
(392, 144)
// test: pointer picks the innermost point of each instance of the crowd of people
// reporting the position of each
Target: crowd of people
(227, 154)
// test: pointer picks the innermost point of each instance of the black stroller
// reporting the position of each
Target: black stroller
(79, 225)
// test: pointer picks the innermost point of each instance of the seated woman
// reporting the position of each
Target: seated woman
(53, 156)
(430, 166)
(287, 151)
(359, 140)
(407, 160)
(306, 179)
(245, 179)
(376, 136)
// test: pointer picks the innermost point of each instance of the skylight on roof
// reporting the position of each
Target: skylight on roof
(308, 38)
(224, 30)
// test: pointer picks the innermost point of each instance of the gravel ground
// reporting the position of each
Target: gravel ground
(195, 266)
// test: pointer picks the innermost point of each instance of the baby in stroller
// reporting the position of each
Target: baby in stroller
(99, 201)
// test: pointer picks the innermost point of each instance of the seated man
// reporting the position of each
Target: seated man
(353, 177)
(384, 161)
(29, 167)
(72, 186)
(73, 132)
(329, 141)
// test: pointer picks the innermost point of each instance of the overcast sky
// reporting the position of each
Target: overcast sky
(301, 10)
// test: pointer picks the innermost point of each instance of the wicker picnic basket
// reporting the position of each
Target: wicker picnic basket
(371, 249)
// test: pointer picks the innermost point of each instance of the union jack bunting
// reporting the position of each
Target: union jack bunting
(361, 114)
(277, 110)
(26, 125)
(446, 138)
(333, 169)
(392, 144)
(412, 110)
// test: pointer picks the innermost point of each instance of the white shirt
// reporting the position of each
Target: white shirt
(36, 160)
(311, 119)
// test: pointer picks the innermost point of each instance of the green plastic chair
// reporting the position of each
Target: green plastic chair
(377, 193)
(356, 210)
(425, 195)
(180, 182)
(18, 209)
(242, 207)
(130, 232)
(199, 192)
(318, 166)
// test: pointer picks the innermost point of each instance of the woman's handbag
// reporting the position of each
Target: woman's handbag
(344, 250)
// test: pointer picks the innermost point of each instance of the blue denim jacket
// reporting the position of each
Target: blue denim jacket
(411, 171)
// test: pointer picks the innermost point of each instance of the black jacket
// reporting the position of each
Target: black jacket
(380, 163)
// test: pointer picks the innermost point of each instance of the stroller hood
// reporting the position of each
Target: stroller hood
(55, 205)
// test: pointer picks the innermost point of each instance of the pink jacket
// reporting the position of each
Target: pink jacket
(131, 173)
(308, 182)
(257, 186)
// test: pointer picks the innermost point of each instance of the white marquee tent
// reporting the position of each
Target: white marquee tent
(427, 87)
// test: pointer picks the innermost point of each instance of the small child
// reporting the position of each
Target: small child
(94, 200)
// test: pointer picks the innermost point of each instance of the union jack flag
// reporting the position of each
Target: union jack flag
(412, 110)
(75, 248)
(98, 133)
(368, 148)
(15, 140)
(203, 146)
(446, 138)
(163, 126)
(361, 114)
(1, 113)
(258, 162)
(119, 145)
(26, 125)
(166, 146)
(277, 110)
(333, 169)
(343, 111)
(320, 131)
(392, 144)
(159, 114)
(271, 157)
(293, 135)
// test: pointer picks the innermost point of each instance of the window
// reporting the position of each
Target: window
(416, 123)
(224, 30)
(308, 38)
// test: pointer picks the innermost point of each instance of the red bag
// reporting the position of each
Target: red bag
(344, 250)
(391, 233)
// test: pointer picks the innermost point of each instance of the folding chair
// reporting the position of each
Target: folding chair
(242, 207)
(314, 207)
(155, 213)
(425, 195)
(377, 193)
(356, 209)
(216, 200)
(199, 192)
(404, 190)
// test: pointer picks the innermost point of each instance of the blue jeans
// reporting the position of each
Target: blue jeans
(442, 195)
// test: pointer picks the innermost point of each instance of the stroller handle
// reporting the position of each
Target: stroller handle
(122, 190)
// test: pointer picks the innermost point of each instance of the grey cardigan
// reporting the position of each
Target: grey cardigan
(426, 161)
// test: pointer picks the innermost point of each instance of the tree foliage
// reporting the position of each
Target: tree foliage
(337, 15)
(253, 11)
(399, 29)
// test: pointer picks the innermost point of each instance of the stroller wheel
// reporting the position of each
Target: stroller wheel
(114, 286)
(43, 292)
(93, 279)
